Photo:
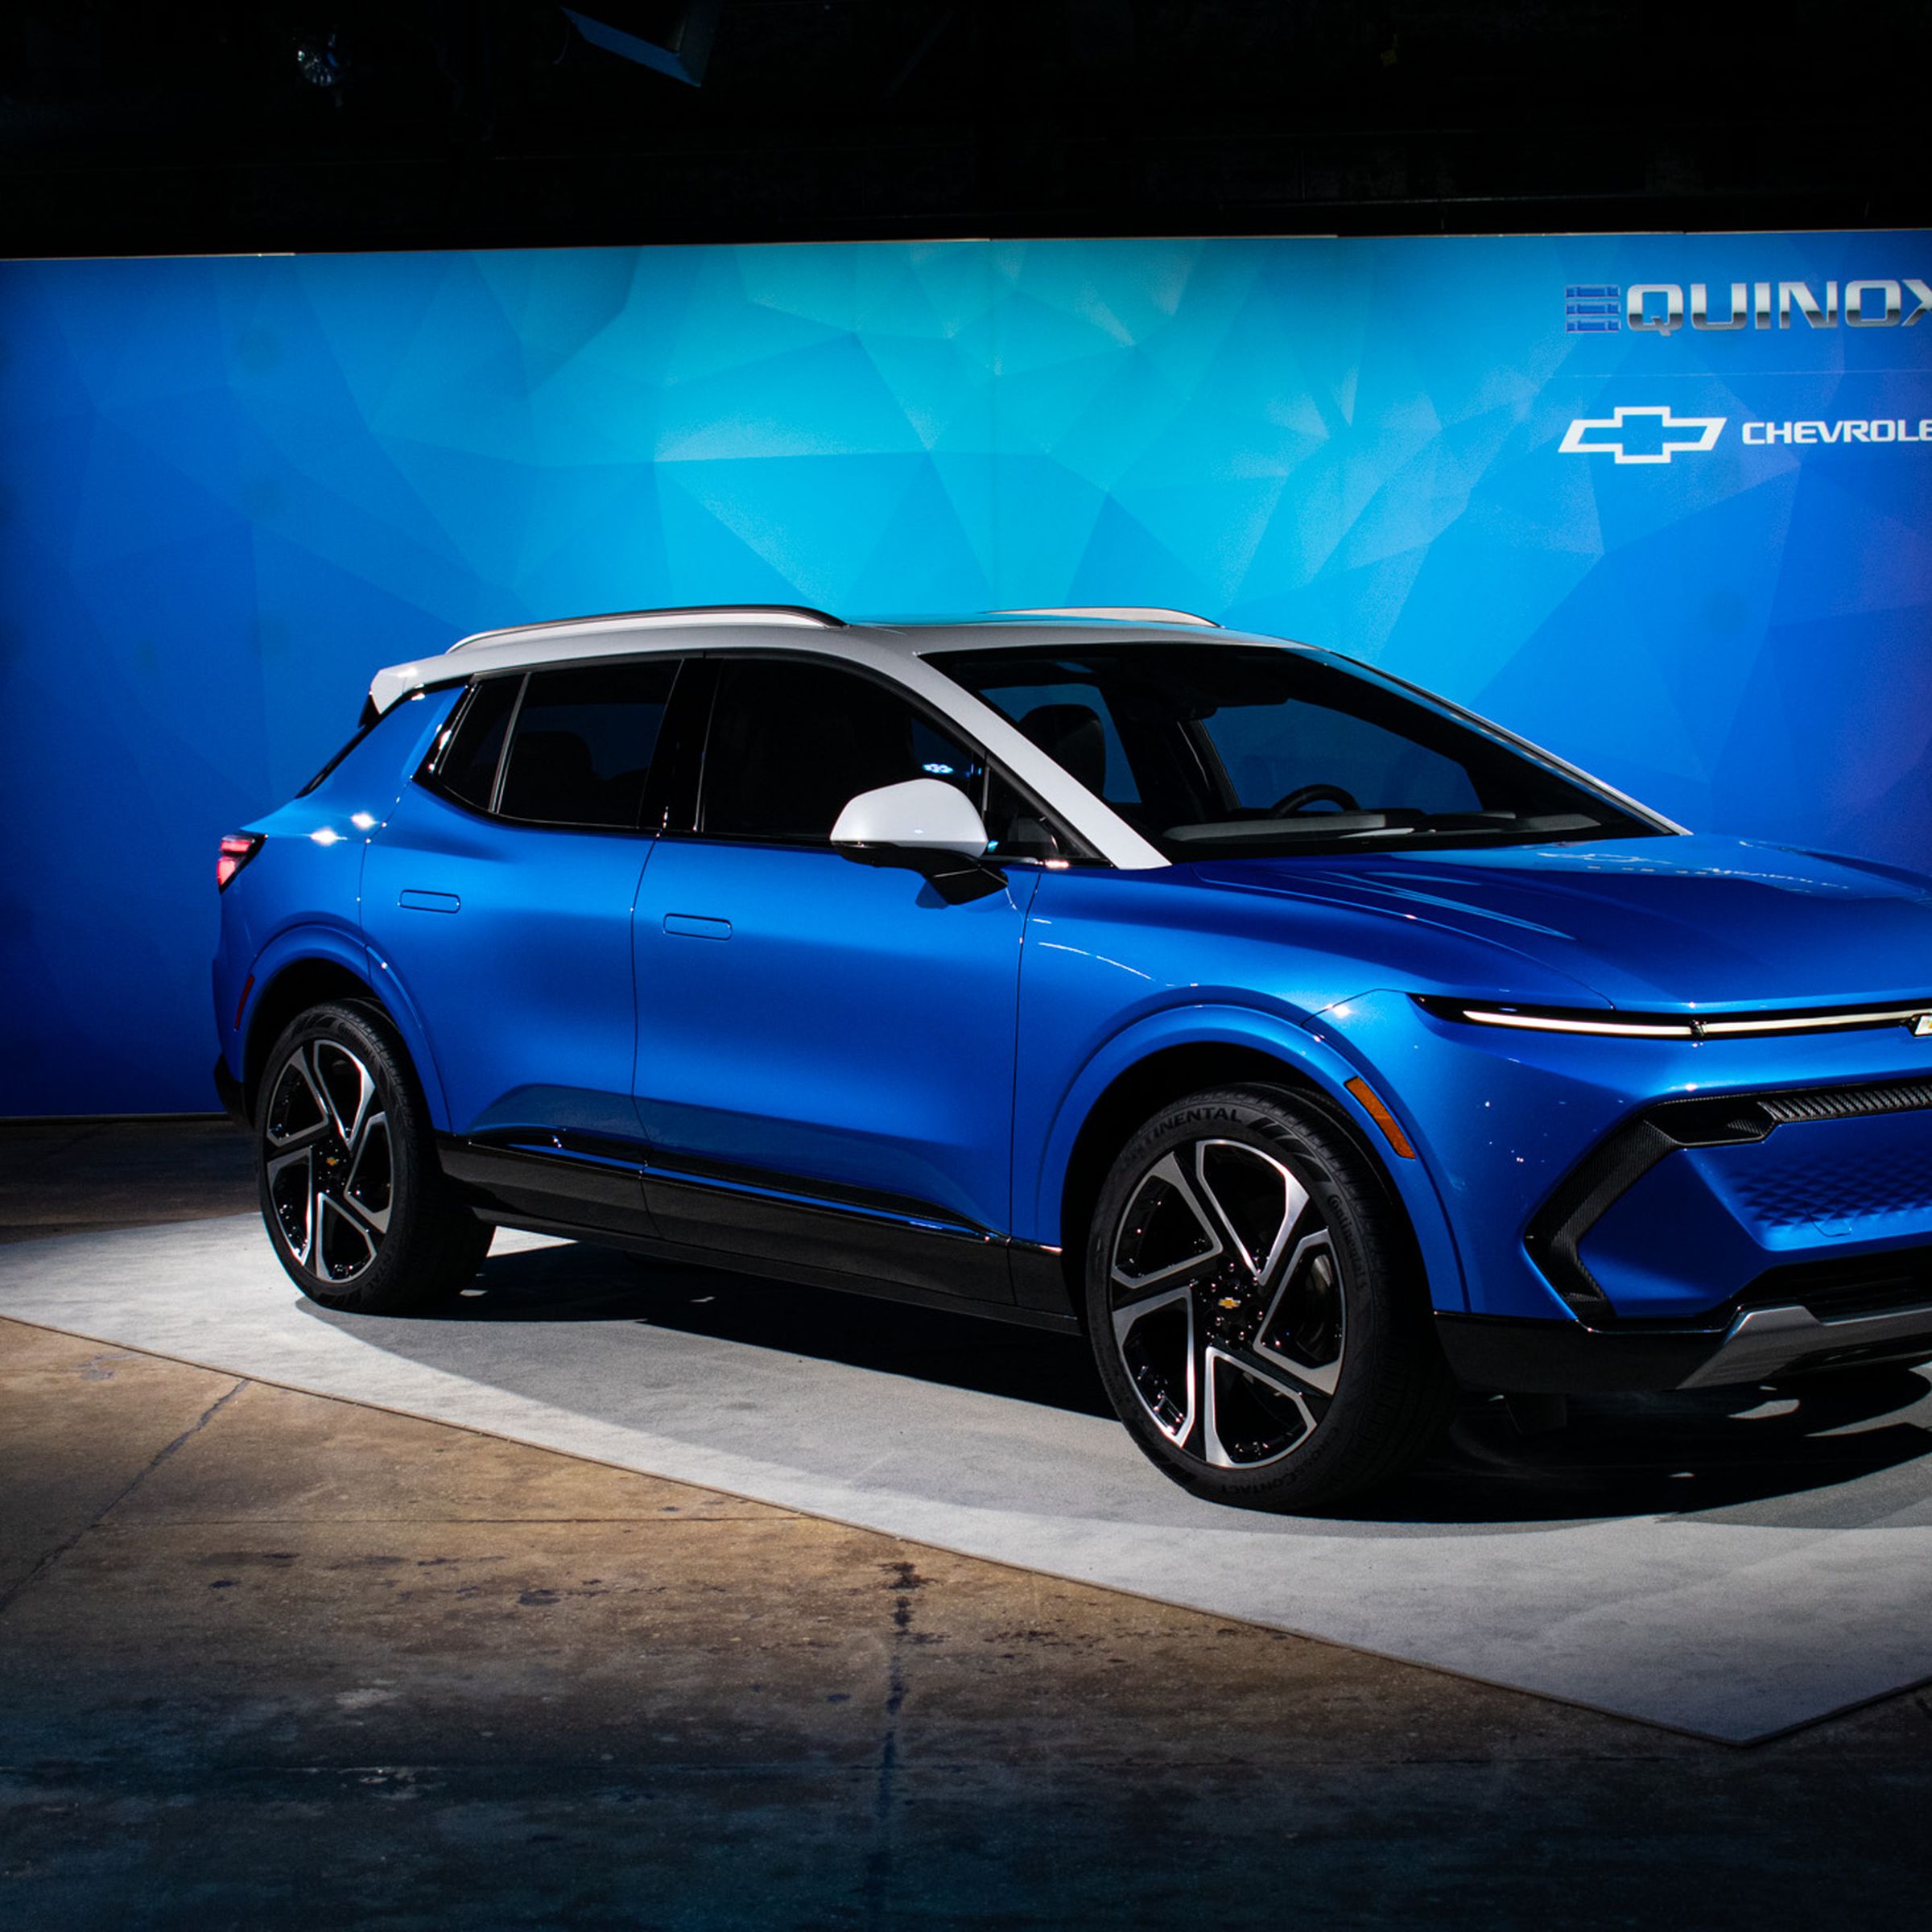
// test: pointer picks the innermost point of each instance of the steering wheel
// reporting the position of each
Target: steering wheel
(1305, 795)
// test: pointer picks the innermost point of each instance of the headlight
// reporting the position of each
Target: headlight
(1666, 1027)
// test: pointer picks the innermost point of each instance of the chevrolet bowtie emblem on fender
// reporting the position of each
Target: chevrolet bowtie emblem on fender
(1922, 1025)
(1641, 433)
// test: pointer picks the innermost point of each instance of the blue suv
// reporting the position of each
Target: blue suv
(1311, 1044)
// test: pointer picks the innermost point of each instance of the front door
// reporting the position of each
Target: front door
(825, 1048)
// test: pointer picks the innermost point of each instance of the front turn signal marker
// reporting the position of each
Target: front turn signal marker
(1372, 1105)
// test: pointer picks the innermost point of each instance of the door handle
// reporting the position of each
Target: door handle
(692, 926)
(412, 901)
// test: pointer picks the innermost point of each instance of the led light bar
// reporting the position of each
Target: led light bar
(1661, 1026)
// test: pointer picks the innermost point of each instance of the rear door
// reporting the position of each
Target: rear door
(499, 897)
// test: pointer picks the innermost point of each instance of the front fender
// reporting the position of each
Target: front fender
(1320, 1062)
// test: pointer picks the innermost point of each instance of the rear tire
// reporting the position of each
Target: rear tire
(1255, 1307)
(357, 1209)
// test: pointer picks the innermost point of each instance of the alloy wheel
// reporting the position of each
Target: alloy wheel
(329, 1162)
(1227, 1303)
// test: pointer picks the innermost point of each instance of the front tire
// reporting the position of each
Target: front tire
(1255, 1308)
(356, 1210)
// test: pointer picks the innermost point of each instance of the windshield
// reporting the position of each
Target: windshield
(1220, 750)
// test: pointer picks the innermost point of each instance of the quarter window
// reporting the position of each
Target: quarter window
(467, 768)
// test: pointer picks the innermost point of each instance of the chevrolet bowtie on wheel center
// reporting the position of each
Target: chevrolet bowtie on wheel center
(1312, 1044)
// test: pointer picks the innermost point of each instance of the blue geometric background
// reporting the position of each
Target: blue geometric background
(229, 489)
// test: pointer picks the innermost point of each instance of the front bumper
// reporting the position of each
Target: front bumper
(1519, 1357)
(1638, 1182)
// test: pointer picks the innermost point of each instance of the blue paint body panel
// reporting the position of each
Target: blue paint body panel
(298, 899)
(853, 1028)
(1501, 1118)
(525, 983)
(782, 1025)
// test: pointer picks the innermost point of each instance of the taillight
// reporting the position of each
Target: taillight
(237, 849)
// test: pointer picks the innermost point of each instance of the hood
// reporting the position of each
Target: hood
(1650, 923)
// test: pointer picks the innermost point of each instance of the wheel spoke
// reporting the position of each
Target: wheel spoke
(329, 1207)
(1272, 1341)
(1169, 1172)
(365, 1220)
(305, 1157)
(373, 1151)
(1217, 1364)
(350, 1129)
(1257, 1229)
(296, 1067)
(1295, 1379)
(1165, 1378)
(1126, 1313)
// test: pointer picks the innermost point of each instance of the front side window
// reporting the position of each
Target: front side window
(791, 744)
(1216, 749)
(581, 748)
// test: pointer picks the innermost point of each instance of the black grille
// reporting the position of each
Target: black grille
(1847, 1103)
(1836, 1291)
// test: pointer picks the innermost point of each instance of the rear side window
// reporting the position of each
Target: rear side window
(582, 743)
(466, 767)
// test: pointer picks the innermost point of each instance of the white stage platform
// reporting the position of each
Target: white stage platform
(1724, 1564)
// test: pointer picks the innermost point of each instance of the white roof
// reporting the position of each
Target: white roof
(771, 627)
(897, 648)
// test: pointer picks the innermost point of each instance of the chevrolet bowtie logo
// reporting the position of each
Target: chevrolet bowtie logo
(1641, 433)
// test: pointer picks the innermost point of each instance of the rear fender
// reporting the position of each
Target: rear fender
(317, 942)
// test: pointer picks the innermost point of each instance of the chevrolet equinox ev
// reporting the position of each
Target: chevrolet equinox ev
(1310, 1044)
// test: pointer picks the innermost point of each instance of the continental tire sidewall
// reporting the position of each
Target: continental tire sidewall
(1390, 1353)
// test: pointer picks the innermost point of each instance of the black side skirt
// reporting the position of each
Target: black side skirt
(765, 1224)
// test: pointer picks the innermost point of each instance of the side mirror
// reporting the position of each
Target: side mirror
(922, 815)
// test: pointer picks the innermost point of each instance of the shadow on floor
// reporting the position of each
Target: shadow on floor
(575, 1283)
(1842, 1452)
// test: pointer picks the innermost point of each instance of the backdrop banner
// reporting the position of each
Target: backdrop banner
(1660, 501)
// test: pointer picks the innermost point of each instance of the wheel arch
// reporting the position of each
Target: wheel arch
(308, 968)
(1134, 1075)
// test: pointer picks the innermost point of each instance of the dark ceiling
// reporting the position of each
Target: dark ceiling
(159, 128)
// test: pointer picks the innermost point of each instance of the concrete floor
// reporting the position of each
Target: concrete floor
(267, 1658)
